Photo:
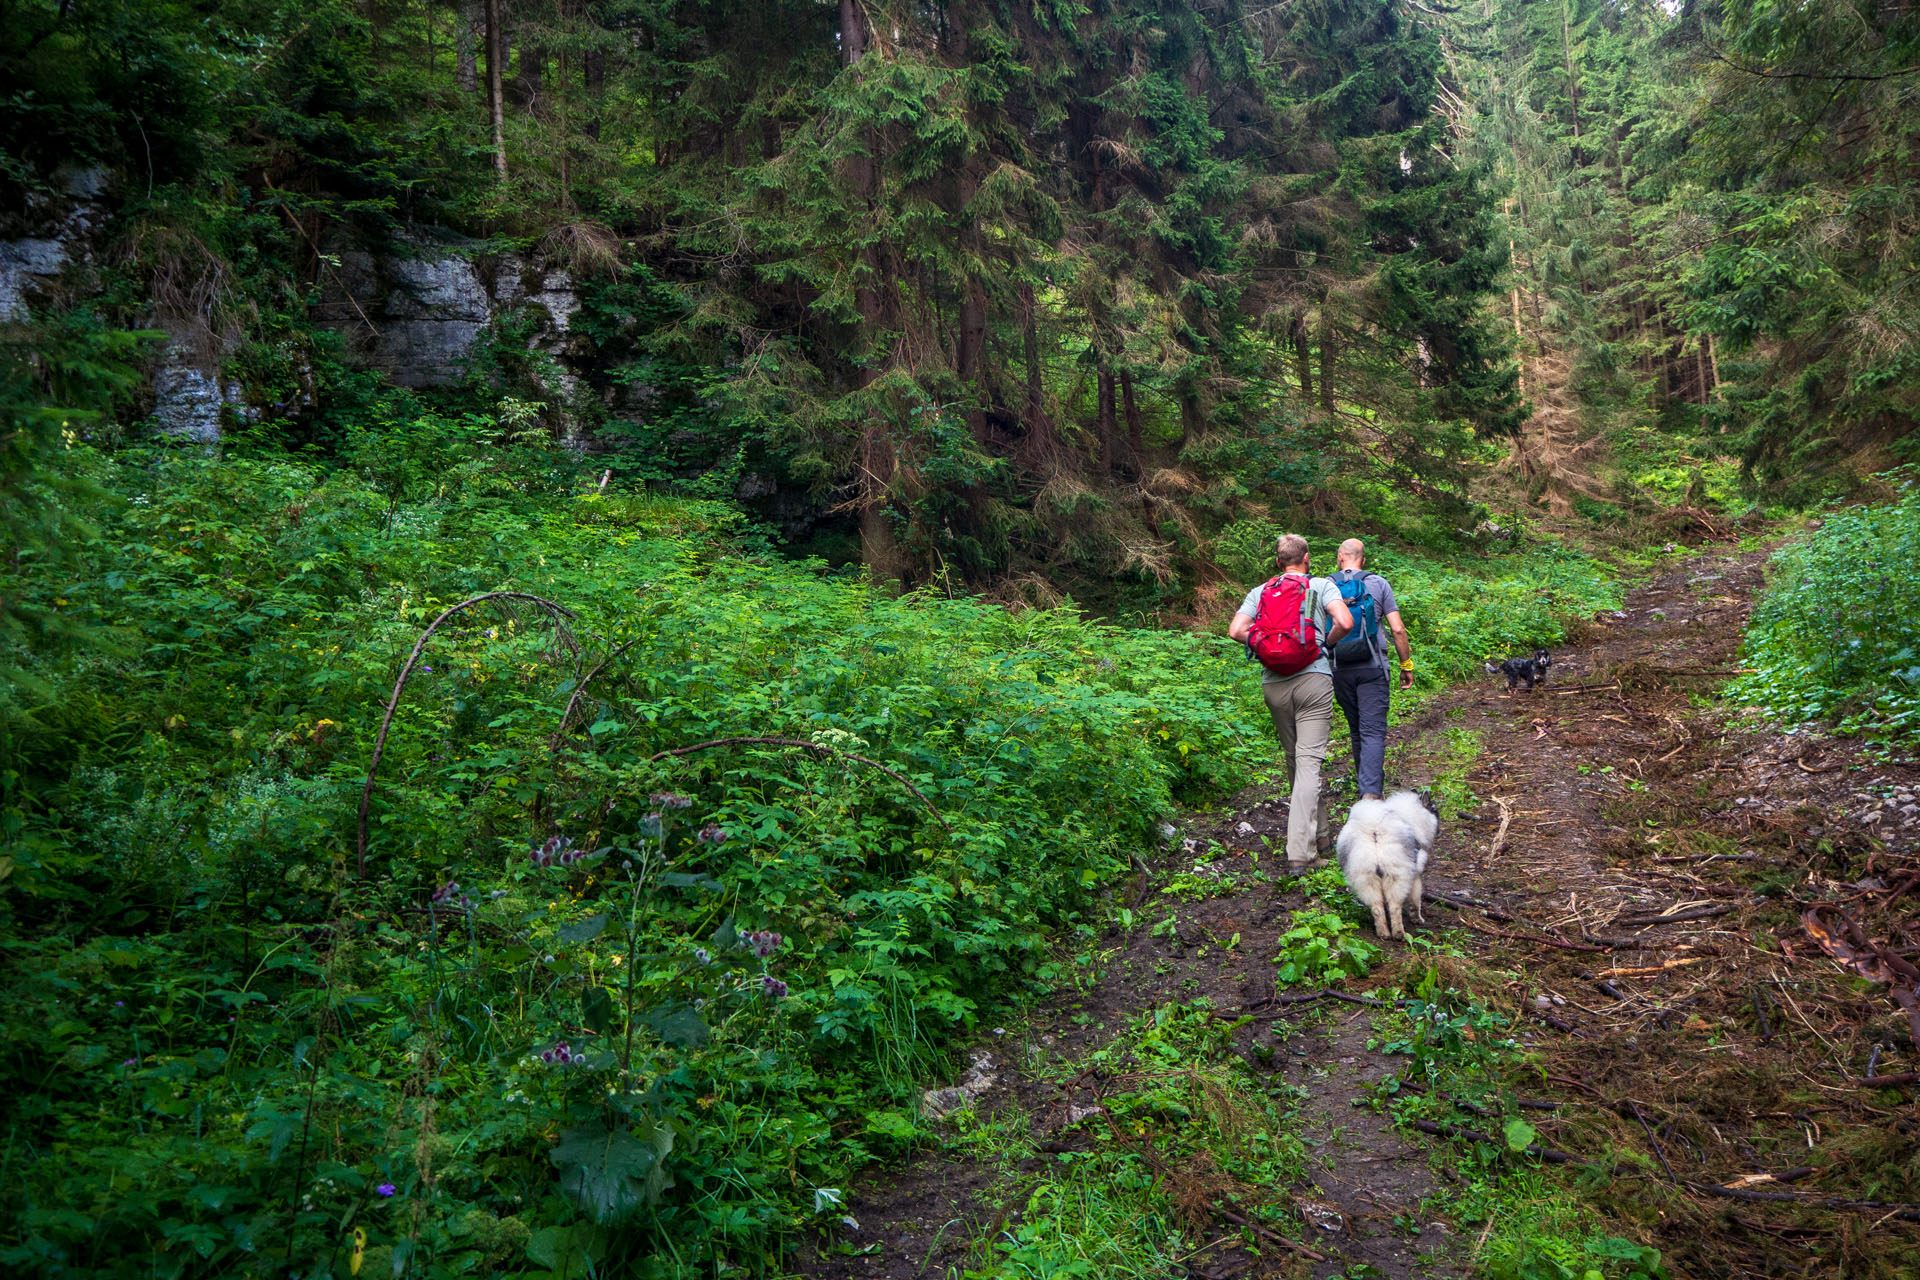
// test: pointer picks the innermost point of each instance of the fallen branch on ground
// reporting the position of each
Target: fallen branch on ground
(1681, 963)
(1561, 943)
(1268, 1233)
(1678, 917)
(1492, 912)
(1307, 997)
(1712, 857)
(1836, 1204)
(1500, 836)
(1549, 1154)
(1558, 1024)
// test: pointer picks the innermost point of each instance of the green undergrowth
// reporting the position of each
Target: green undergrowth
(587, 1009)
(1187, 1126)
(1458, 1062)
(1836, 636)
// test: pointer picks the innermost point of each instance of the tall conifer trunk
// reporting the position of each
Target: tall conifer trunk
(496, 98)
(1326, 356)
(1040, 439)
(1302, 356)
(466, 25)
(1109, 420)
(876, 459)
(1573, 80)
(970, 350)
(1136, 440)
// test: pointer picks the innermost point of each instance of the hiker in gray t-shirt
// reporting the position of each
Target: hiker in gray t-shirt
(1363, 685)
(1302, 704)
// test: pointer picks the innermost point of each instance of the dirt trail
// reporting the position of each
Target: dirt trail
(1714, 1044)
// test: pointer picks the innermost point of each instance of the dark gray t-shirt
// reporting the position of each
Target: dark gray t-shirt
(1383, 604)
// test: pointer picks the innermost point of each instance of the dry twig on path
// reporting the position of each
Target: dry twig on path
(1500, 836)
(1642, 972)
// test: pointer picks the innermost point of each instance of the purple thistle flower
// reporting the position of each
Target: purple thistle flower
(556, 849)
(671, 800)
(385, 1189)
(773, 988)
(130, 1062)
(761, 943)
(713, 833)
(702, 956)
(445, 892)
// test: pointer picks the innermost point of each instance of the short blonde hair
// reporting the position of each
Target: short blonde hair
(1290, 549)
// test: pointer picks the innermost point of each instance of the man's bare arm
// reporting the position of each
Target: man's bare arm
(1399, 630)
(1238, 628)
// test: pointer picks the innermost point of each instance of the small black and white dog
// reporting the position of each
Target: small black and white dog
(1528, 669)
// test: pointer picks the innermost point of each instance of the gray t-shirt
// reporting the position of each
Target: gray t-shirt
(1323, 591)
(1383, 604)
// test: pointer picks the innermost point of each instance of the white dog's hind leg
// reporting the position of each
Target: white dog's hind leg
(1418, 896)
(1375, 898)
(1399, 924)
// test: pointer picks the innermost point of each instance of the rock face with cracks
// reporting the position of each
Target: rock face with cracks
(414, 307)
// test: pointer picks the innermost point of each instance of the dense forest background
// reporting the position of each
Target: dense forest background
(548, 546)
(983, 290)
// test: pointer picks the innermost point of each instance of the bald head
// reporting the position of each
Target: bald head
(1353, 554)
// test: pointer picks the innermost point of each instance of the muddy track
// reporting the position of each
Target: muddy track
(1640, 867)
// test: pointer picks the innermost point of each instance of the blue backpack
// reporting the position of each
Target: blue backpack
(1360, 646)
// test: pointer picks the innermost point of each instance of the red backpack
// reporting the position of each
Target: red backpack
(1283, 636)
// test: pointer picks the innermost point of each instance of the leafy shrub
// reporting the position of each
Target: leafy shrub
(1322, 947)
(548, 1028)
(1836, 637)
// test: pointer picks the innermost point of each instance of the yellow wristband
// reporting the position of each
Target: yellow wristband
(1406, 664)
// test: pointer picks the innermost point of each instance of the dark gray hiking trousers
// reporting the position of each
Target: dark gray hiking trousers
(1363, 694)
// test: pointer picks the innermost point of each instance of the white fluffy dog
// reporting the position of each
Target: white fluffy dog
(1383, 854)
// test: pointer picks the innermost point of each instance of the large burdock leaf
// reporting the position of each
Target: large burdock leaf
(569, 1252)
(610, 1171)
(676, 1024)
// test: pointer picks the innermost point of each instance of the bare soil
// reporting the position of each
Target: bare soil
(1640, 859)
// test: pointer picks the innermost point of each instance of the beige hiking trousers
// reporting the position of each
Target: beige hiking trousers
(1302, 710)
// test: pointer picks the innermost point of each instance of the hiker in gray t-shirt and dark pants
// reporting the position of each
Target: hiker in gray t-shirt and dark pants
(1363, 687)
